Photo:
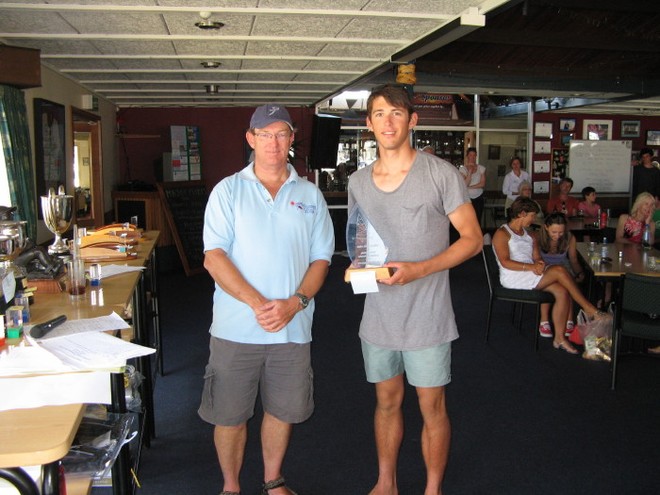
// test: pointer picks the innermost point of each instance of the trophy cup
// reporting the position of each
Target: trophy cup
(365, 247)
(13, 237)
(58, 213)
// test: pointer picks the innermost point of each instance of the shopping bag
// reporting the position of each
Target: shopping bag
(596, 335)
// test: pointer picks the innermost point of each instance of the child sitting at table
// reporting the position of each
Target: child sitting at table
(588, 204)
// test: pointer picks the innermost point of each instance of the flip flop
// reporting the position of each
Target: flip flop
(565, 346)
(279, 482)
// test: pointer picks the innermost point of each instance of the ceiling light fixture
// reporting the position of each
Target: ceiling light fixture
(210, 64)
(206, 23)
(212, 88)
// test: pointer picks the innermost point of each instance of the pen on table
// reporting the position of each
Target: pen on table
(39, 331)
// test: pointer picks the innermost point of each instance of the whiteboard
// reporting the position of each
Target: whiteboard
(603, 165)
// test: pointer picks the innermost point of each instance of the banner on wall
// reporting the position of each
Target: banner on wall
(186, 161)
(443, 109)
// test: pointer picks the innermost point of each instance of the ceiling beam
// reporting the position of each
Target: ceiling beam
(209, 71)
(260, 11)
(208, 56)
(199, 37)
(539, 38)
(332, 84)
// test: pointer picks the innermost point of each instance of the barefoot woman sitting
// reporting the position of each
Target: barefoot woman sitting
(521, 267)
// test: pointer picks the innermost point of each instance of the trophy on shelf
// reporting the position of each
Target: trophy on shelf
(13, 238)
(57, 210)
(365, 247)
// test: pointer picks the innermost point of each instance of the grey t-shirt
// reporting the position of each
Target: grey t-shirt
(412, 221)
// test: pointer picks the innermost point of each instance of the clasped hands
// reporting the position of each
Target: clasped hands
(273, 315)
(539, 267)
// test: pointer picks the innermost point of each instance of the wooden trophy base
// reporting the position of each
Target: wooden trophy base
(382, 272)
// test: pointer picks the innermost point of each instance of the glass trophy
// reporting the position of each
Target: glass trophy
(365, 247)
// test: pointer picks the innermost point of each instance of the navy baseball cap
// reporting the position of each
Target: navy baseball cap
(269, 113)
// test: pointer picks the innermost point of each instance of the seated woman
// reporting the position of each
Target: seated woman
(526, 192)
(630, 228)
(521, 267)
(588, 204)
(558, 247)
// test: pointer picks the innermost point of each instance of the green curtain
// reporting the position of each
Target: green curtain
(18, 155)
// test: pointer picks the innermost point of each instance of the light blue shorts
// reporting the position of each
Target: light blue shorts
(430, 367)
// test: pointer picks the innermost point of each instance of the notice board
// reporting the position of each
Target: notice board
(184, 204)
(603, 165)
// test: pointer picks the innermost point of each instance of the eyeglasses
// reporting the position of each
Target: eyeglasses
(267, 136)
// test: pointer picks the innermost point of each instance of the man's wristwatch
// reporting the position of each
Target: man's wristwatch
(304, 300)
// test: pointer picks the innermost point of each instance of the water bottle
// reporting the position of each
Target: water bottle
(646, 237)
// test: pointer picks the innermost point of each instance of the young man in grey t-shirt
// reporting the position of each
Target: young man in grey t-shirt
(410, 199)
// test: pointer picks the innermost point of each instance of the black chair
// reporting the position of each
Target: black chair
(518, 296)
(639, 313)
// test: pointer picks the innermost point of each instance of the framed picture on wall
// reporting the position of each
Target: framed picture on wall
(542, 147)
(630, 128)
(565, 138)
(493, 152)
(543, 129)
(652, 138)
(597, 130)
(541, 166)
(50, 164)
(567, 125)
(559, 164)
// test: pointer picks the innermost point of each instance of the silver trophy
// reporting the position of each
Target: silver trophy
(57, 210)
(13, 236)
(365, 247)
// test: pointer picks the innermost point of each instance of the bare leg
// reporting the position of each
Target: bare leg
(558, 274)
(560, 311)
(230, 446)
(436, 435)
(545, 312)
(388, 426)
(275, 435)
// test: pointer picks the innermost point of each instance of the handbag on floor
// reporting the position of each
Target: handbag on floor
(596, 335)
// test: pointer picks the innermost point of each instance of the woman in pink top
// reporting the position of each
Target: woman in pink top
(630, 228)
(588, 204)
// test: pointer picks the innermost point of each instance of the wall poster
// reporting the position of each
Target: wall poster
(49, 135)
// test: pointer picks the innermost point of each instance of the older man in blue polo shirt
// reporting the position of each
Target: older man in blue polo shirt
(268, 242)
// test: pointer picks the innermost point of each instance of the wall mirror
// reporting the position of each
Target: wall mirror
(87, 168)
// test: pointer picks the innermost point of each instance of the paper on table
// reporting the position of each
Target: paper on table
(51, 390)
(111, 270)
(364, 282)
(94, 350)
(22, 359)
(72, 327)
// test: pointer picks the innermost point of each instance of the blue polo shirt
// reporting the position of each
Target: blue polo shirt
(272, 243)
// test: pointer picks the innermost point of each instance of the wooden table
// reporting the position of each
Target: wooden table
(634, 259)
(582, 227)
(43, 435)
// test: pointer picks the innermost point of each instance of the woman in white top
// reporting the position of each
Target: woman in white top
(512, 180)
(475, 180)
(521, 267)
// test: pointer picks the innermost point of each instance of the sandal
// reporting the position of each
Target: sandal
(279, 482)
(565, 346)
